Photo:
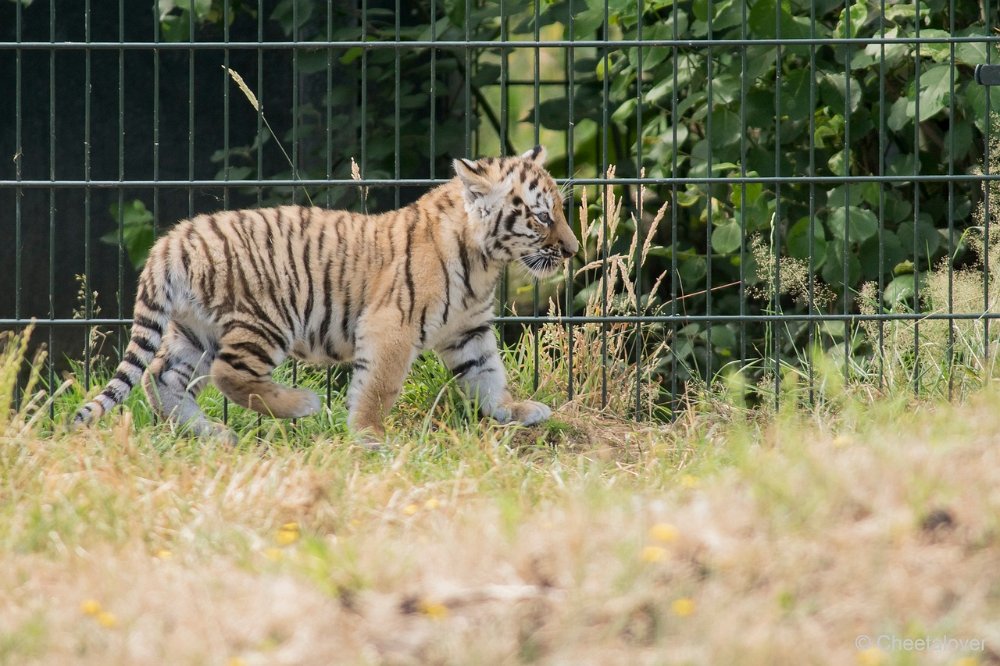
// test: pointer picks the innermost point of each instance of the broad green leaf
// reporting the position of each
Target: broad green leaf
(901, 290)
(797, 241)
(727, 238)
(726, 128)
(859, 223)
(935, 86)
(928, 240)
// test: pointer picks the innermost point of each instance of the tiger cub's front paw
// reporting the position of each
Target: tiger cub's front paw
(527, 412)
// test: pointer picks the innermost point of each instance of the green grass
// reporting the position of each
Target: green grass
(728, 536)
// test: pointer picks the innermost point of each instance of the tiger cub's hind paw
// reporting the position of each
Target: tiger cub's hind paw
(526, 412)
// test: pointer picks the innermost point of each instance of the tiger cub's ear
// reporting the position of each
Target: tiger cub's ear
(474, 175)
(538, 155)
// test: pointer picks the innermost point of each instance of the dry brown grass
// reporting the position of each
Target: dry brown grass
(726, 538)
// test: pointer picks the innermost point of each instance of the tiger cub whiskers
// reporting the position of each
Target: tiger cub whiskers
(227, 297)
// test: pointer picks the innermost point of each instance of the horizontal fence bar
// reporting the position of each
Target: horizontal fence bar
(429, 182)
(491, 43)
(619, 319)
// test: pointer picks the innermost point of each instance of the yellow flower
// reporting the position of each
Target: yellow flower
(967, 661)
(872, 657)
(652, 554)
(840, 441)
(164, 554)
(689, 481)
(236, 661)
(288, 534)
(682, 607)
(432, 504)
(410, 509)
(90, 607)
(273, 554)
(664, 532)
(107, 620)
(433, 609)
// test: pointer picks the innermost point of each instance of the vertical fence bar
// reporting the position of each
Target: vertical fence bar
(432, 121)
(988, 188)
(191, 52)
(881, 197)
(364, 95)
(776, 220)
(328, 108)
(604, 220)
(395, 161)
(638, 206)
(950, 352)
(709, 355)
(88, 304)
(743, 187)
(52, 193)
(503, 140)
(847, 188)
(536, 134)
(916, 204)
(468, 79)
(121, 177)
(810, 327)
(570, 94)
(674, 244)
(18, 159)
(295, 142)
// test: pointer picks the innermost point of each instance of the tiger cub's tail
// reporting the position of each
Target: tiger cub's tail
(148, 325)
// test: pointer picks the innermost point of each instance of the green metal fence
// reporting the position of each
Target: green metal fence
(803, 150)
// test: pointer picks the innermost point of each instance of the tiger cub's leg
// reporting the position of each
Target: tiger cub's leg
(177, 375)
(475, 361)
(383, 355)
(242, 371)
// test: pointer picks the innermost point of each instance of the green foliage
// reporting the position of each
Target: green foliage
(690, 111)
(136, 225)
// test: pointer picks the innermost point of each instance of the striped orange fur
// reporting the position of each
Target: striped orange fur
(227, 297)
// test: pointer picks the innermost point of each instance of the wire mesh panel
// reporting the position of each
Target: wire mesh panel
(752, 181)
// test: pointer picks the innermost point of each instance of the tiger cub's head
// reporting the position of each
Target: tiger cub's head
(517, 210)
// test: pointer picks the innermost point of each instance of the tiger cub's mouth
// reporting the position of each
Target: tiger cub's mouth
(542, 264)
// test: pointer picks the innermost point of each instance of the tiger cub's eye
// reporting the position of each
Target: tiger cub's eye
(544, 218)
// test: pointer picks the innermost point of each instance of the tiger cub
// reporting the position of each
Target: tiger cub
(227, 297)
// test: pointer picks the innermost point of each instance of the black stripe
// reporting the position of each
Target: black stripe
(132, 359)
(237, 363)
(255, 350)
(508, 222)
(462, 368)
(112, 395)
(423, 325)
(407, 265)
(264, 329)
(324, 327)
(447, 289)
(465, 337)
(208, 275)
(291, 256)
(463, 256)
(345, 315)
(143, 344)
(496, 223)
(190, 336)
(146, 322)
(311, 293)
(230, 293)
(150, 304)
(125, 379)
